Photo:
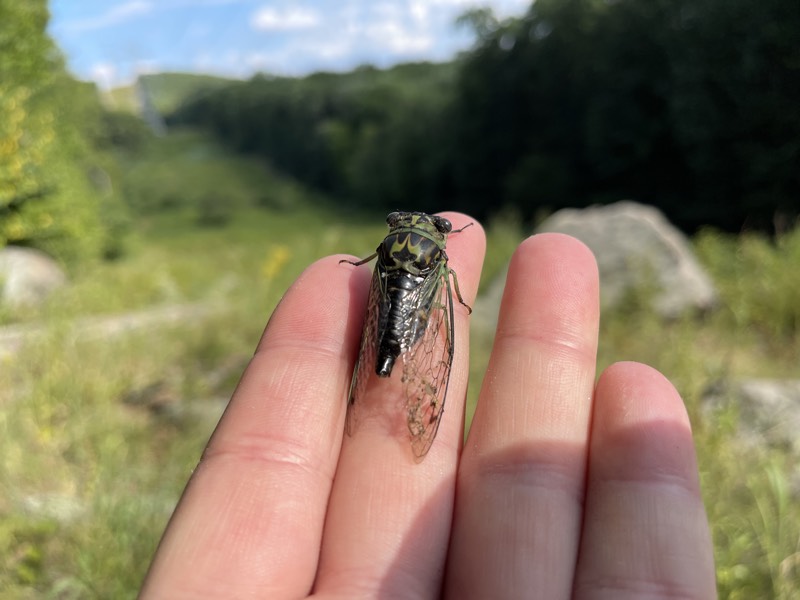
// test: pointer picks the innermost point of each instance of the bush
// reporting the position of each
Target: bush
(213, 210)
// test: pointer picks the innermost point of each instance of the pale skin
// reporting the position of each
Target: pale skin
(568, 486)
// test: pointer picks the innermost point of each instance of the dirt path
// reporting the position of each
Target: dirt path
(13, 337)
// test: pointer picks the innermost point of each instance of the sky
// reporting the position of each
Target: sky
(114, 41)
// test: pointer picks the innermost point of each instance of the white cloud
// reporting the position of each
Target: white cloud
(329, 49)
(418, 10)
(301, 56)
(275, 19)
(501, 8)
(113, 16)
(391, 35)
(105, 74)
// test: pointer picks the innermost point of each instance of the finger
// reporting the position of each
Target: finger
(388, 522)
(646, 531)
(251, 518)
(521, 481)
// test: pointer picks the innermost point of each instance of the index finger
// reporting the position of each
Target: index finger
(266, 474)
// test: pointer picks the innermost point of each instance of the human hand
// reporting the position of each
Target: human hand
(563, 489)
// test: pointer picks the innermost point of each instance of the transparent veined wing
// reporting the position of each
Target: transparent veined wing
(427, 364)
(365, 362)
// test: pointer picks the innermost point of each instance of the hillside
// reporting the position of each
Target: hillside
(166, 91)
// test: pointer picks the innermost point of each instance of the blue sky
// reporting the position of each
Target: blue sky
(113, 41)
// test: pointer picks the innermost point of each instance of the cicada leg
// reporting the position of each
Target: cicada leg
(458, 291)
(363, 261)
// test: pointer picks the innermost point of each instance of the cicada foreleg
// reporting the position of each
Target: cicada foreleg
(470, 224)
(363, 261)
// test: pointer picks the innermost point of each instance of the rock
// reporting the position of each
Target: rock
(769, 410)
(637, 248)
(27, 276)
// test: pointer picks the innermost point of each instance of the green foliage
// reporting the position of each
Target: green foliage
(213, 210)
(119, 130)
(755, 530)
(358, 134)
(26, 129)
(188, 173)
(55, 192)
(89, 217)
(168, 91)
(21, 546)
(24, 51)
(756, 283)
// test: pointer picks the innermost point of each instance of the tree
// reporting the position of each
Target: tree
(26, 127)
(52, 192)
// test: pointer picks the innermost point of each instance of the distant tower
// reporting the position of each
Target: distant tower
(147, 109)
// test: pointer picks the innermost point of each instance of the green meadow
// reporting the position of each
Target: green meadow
(99, 433)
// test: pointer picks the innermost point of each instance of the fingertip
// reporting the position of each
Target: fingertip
(552, 292)
(561, 262)
(644, 521)
(559, 248)
(637, 392)
(640, 428)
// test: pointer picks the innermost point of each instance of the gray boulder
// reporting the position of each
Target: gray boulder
(27, 276)
(769, 410)
(637, 248)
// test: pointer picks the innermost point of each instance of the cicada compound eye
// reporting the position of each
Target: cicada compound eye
(442, 224)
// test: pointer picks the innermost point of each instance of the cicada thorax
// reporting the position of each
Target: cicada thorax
(407, 260)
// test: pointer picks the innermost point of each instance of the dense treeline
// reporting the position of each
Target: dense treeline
(691, 106)
(374, 136)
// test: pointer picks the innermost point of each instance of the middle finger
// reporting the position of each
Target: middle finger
(388, 521)
(521, 480)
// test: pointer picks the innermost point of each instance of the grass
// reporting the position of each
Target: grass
(89, 424)
(98, 437)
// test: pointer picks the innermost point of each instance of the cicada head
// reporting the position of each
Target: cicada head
(431, 224)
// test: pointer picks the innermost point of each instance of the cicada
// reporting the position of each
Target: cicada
(410, 319)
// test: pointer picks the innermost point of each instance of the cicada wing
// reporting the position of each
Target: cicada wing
(426, 366)
(365, 362)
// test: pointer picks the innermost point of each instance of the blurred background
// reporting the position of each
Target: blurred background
(168, 168)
